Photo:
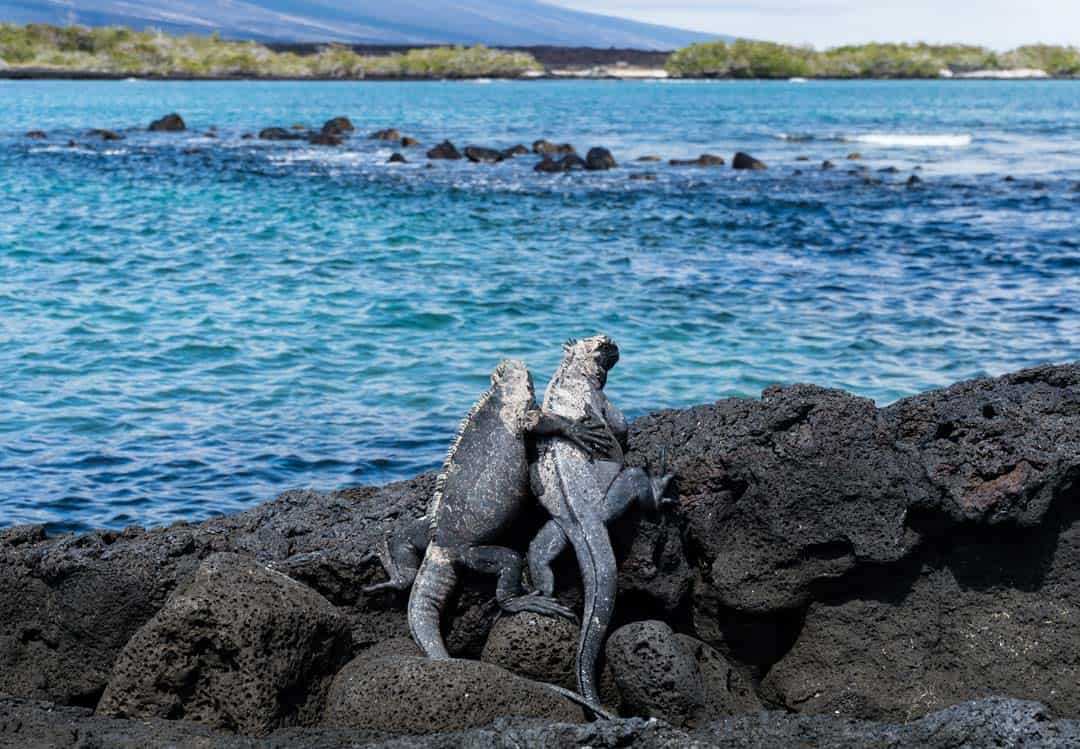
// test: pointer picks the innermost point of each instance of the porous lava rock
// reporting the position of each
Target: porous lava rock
(656, 674)
(404, 695)
(242, 648)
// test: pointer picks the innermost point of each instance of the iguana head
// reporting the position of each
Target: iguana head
(512, 381)
(592, 357)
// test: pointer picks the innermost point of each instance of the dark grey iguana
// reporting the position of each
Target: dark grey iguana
(481, 490)
(583, 495)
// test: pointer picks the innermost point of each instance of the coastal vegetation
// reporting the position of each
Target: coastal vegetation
(117, 50)
(750, 59)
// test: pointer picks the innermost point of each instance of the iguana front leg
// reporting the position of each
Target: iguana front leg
(401, 553)
(590, 432)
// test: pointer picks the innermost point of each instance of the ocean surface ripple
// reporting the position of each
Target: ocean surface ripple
(191, 325)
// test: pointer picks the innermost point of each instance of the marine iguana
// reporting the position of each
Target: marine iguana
(583, 495)
(482, 488)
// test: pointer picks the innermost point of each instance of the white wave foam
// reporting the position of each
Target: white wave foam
(945, 140)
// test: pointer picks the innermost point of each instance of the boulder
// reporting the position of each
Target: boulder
(571, 162)
(279, 133)
(746, 161)
(546, 147)
(728, 689)
(170, 123)
(518, 150)
(37, 134)
(397, 158)
(404, 695)
(325, 139)
(705, 159)
(656, 674)
(337, 126)
(828, 165)
(106, 134)
(388, 134)
(445, 150)
(242, 648)
(599, 159)
(548, 165)
(407, 142)
(479, 155)
(914, 180)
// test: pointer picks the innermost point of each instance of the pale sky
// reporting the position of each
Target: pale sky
(1000, 24)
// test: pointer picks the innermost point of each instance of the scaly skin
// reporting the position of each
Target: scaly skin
(583, 495)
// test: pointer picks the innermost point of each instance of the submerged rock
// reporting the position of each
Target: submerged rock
(705, 159)
(279, 133)
(599, 159)
(396, 158)
(37, 134)
(106, 134)
(445, 150)
(337, 126)
(828, 165)
(170, 123)
(746, 161)
(480, 155)
(404, 695)
(914, 180)
(549, 148)
(241, 648)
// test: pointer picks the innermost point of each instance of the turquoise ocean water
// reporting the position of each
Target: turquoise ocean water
(189, 325)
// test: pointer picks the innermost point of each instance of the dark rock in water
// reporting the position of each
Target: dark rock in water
(571, 162)
(298, 126)
(1009, 178)
(1076, 187)
(871, 181)
(278, 133)
(802, 158)
(408, 142)
(170, 123)
(241, 648)
(599, 159)
(657, 675)
(191, 151)
(746, 161)
(914, 180)
(648, 159)
(479, 155)
(518, 150)
(797, 172)
(388, 134)
(106, 134)
(828, 165)
(854, 156)
(889, 170)
(705, 159)
(549, 148)
(1038, 185)
(337, 126)
(72, 144)
(445, 150)
(548, 165)
(396, 158)
(37, 134)
(247, 136)
(325, 139)
(210, 134)
(403, 695)
(644, 177)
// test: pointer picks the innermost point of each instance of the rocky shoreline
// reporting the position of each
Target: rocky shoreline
(834, 574)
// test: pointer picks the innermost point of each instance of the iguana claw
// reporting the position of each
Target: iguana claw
(537, 604)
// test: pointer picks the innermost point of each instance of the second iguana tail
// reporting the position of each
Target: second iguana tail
(434, 583)
(588, 535)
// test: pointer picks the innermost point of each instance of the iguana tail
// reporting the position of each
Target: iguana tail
(588, 535)
(434, 583)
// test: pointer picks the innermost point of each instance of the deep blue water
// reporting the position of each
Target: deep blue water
(185, 334)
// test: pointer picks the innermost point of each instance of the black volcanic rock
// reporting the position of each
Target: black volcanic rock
(338, 126)
(409, 142)
(279, 133)
(325, 139)
(106, 134)
(397, 158)
(409, 695)
(445, 150)
(480, 155)
(746, 161)
(37, 134)
(599, 159)
(518, 150)
(388, 134)
(656, 674)
(241, 648)
(546, 147)
(705, 159)
(170, 123)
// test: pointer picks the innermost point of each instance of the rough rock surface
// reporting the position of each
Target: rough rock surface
(657, 675)
(727, 689)
(599, 159)
(170, 123)
(403, 695)
(241, 648)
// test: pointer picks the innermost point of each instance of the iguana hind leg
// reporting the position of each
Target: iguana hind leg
(543, 551)
(400, 554)
(509, 592)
